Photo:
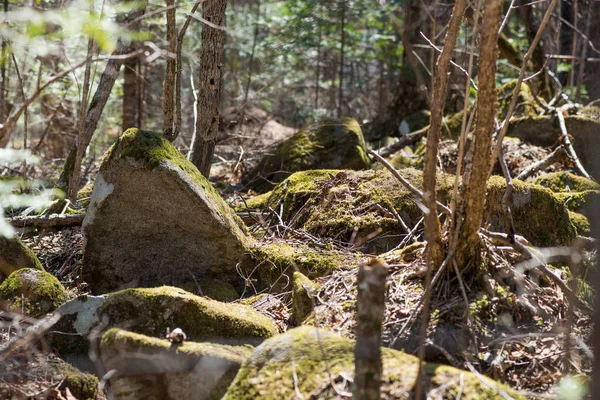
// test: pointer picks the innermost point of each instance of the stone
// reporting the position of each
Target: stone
(15, 255)
(364, 207)
(34, 291)
(302, 297)
(305, 361)
(151, 311)
(153, 219)
(150, 368)
(329, 143)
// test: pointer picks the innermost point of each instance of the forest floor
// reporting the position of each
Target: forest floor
(531, 357)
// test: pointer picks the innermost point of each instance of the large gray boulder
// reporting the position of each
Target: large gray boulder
(154, 220)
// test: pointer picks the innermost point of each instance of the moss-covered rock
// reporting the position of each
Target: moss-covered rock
(275, 263)
(34, 291)
(584, 127)
(82, 385)
(213, 289)
(365, 206)
(152, 311)
(14, 255)
(150, 368)
(153, 219)
(329, 143)
(565, 181)
(581, 223)
(578, 194)
(302, 297)
(308, 360)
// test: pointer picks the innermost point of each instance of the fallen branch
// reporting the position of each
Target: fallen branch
(29, 336)
(558, 155)
(47, 221)
(406, 183)
(567, 142)
(405, 140)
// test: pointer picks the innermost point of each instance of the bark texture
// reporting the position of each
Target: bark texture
(370, 309)
(130, 95)
(477, 170)
(169, 85)
(209, 90)
(433, 233)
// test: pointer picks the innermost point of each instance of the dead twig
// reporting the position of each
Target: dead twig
(567, 142)
(405, 182)
(558, 155)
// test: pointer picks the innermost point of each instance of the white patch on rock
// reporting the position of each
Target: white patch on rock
(102, 190)
(84, 307)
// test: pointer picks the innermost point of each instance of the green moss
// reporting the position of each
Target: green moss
(152, 311)
(364, 205)
(34, 291)
(174, 371)
(275, 263)
(531, 206)
(305, 359)
(329, 143)
(565, 181)
(581, 223)
(14, 255)
(302, 296)
(82, 385)
(526, 105)
(213, 289)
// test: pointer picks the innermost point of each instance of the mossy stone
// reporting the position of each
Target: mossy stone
(275, 263)
(329, 143)
(306, 360)
(153, 219)
(581, 223)
(34, 291)
(151, 368)
(302, 296)
(152, 311)
(213, 289)
(15, 255)
(363, 205)
(565, 181)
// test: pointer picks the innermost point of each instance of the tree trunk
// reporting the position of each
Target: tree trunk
(209, 90)
(340, 108)
(130, 95)
(94, 112)
(169, 84)
(433, 233)
(477, 171)
(369, 317)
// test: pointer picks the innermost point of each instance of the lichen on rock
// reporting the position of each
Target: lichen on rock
(15, 255)
(150, 368)
(329, 143)
(34, 291)
(308, 360)
(153, 219)
(152, 311)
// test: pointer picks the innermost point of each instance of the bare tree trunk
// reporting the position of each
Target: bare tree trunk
(369, 317)
(94, 112)
(169, 84)
(538, 59)
(251, 59)
(4, 85)
(340, 109)
(433, 232)
(477, 171)
(318, 71)
(130, 95)
(209, 93)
